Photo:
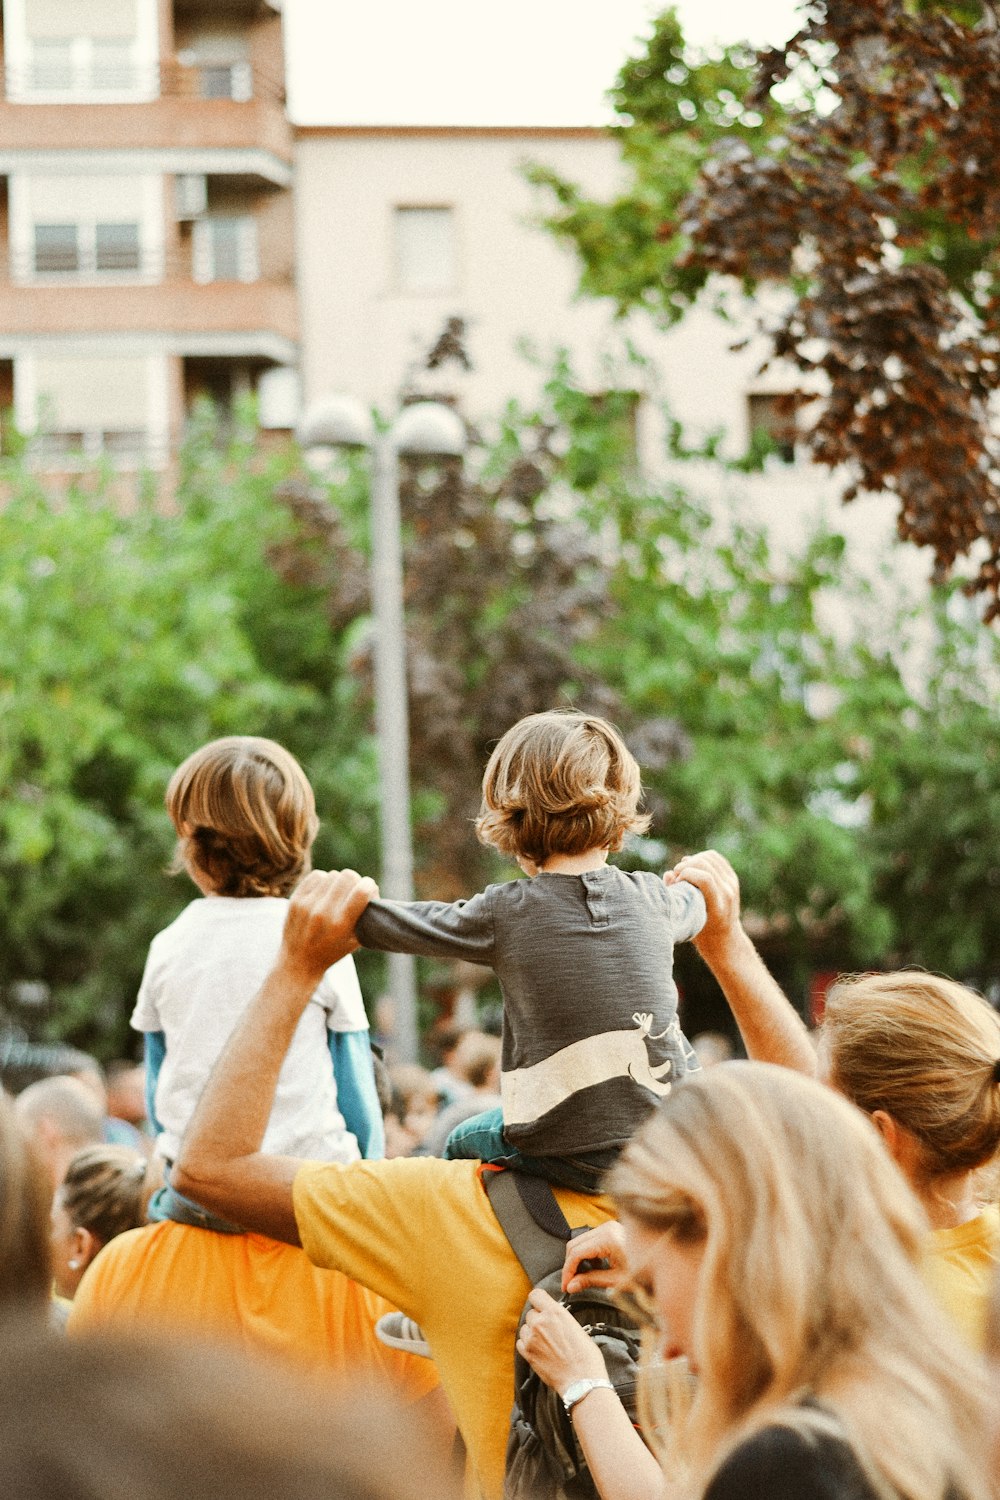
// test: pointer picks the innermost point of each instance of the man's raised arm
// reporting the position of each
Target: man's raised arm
(220, 1164)
(771, 1028)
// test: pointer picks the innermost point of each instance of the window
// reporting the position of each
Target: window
(112, 67)
(225, 249)
(86, 227)
(51, 67)
(85, 249)
(57, 249)
(425, 250)
(772, 415)
(100, 50)
(116, 247)
(232, 80)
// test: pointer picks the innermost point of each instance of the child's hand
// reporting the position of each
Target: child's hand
(715, 877)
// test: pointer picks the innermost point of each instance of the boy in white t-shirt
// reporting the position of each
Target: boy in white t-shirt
(246, 820)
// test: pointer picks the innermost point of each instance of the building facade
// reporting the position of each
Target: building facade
(146, 220)
(401, 228)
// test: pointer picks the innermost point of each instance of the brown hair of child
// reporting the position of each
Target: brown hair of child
(245, 817)
(560, 782)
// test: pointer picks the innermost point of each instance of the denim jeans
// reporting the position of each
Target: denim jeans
(481, 1138)
(167, 1203)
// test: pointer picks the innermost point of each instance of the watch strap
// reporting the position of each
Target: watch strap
(574, 1393)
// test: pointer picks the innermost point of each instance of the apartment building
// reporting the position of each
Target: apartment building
(146, 226)
(400, 228)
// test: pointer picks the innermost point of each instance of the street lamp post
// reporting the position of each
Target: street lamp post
(429, 430)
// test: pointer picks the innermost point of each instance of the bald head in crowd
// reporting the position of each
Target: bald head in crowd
(60, 1115)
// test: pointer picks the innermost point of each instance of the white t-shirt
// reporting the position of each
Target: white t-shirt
(201, 974)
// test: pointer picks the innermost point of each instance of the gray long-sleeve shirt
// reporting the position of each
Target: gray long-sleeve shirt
(591, 1038)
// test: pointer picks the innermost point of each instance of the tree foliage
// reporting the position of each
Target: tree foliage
(859, 167)
(863, 815)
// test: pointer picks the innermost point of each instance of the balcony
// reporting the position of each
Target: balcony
(158, 295)
(169, 107)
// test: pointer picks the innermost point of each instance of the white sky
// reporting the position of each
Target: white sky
(477, 62)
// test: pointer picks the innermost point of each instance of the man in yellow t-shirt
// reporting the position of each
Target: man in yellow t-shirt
(419, 1232)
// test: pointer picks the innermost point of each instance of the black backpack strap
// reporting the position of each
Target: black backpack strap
(530, 1217)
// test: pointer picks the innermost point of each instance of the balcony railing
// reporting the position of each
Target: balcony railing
(71, 451)
(93, 80)
(90, 267)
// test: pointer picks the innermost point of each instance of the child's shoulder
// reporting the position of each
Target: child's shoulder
(206, 913)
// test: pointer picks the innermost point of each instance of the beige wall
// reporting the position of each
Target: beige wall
(361, 333)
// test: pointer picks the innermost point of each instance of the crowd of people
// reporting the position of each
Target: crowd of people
(213, 1265)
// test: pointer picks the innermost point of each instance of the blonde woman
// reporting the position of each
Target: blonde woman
(102, 1195)
(770, 1241)
(921, 1056)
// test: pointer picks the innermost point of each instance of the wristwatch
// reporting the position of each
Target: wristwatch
(574, 1393)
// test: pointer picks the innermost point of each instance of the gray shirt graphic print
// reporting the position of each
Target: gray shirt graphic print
(591, 1038)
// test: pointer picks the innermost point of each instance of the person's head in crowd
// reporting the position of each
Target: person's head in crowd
(921, 1056)
(413, 1109)
(559, 782)
(102, 1195)
(23, 1062)
(25, 1197)
(99, 1418)
(61, 1116)
(245, 817)
(126, 1085)
(90, 1073)
(446, 1042)
(771, 1241)
(477, 1061)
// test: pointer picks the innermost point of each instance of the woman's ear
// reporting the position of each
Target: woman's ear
(900, 1143)
(85, 1247)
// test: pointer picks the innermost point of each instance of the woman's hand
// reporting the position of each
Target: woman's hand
(555, 1345)
(606, 1242)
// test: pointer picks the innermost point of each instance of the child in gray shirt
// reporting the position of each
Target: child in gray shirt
(583, 952)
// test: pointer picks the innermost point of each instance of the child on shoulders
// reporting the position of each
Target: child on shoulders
(583, 952)
(246, 820)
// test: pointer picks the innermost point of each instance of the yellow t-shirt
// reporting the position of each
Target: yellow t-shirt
(245, 1290)
(959, 1266)
(421, 1232)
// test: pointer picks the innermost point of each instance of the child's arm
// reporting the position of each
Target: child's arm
(357, 1098)
(433, 929)
(154, 1050)
(685, 905)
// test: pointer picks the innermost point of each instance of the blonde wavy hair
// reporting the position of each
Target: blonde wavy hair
(560, 782)
(808, 1284)
(245, 817)
(926, 1051)
(104, 1191)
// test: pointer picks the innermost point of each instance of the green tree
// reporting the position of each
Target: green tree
(858, 167)
(550, 572)
(129, 633)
